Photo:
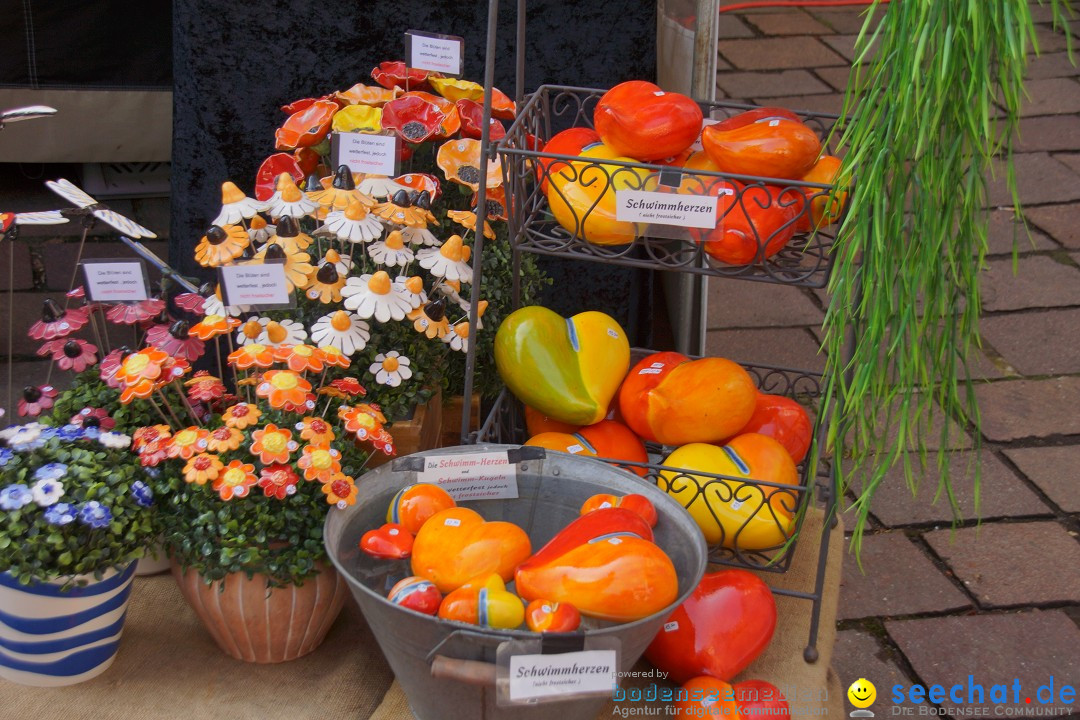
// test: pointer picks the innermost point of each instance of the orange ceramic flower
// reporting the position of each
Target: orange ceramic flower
(360, 422)
(211, 326)
(202, 467)
(221, 245)
(241, 415)
(281, 387)
(235, 481)
(306, 127)
(252, 355)
(393, 74)
(300, 358)
(173, 368)
(224, 439)
(319, 462)
(460, 163)
(272, 444)
(145, 364)
(502, 106)
(151, 433)
(496, 205)
(340, 491)
(278, 481)
(140, 389)
(189, 442)
(360, 94)
(334, 357)
(349, 386)
(204, 388)
(399, 210)
(467, 219)
(315, 430)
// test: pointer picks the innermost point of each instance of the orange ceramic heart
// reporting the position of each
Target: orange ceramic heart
(457, 545)
(638, 119)
(391, 541)
(416, 593)
(607, 439)
(768, 142)
(548, 616)
(537, 422)
(634, 502)
(784, 420)
(605, 565)
(484, 601)
(670, 399)
(414, 504)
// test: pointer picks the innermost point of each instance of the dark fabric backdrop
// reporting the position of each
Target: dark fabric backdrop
(236, 63)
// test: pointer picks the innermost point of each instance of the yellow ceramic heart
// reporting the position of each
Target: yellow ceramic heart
(484, 601)
(457, 545)
(568, 369)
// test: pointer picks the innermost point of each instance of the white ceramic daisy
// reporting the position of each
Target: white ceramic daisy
(420, 236)
(354, 224)
(214, 306)
(235, 206)
(114, 440)
(342, 330)
(282, 332)
(260, 231)
(449, 261)
(251, 330)
(46, 492)
(379, 186)
(392, 251)
(412, 288)
(375, 295)
(391, 368)
(458, 339)
(342, 263)
(289, 201)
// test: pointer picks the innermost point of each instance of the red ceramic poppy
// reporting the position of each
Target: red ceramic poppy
(784, 420)
(308, 160)
(306, 127)
(639, 120)
(472, 120)
(753, 222)
(767, 142)
(502, 106)
(393, 73)
(722, 627)
(452, 123)
(271, 168)
(412, 118)
(567, 142)
(303, 104)
(421, 182)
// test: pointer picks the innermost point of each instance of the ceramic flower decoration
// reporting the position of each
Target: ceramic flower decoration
(451, 123)
(391, 368)
(411, 288)
(282, 332)
(70, 354)
(472, 119)
(454, 89)
(392, 251)
(235, 206)
(400, 210)
(431, 319)
(35, 400)
(358, 118)
(56, 322)
(343, 330)
(259, 231)
(378, 186)
(288, 200)
(297, 264)
(360, 94)
(221, 245)
(413, 118)
(419, 182)
(306, 127)
(458, 337)
(460, 162)
(449, 261)
(375, 296)
(394, 74)
(468, 220)
(336, 192)
(354, 224)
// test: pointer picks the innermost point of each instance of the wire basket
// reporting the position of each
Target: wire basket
(582, 223)
(774, 510)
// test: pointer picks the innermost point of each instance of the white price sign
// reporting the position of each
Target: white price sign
(576, 673)
(115, 280)
(657, 208)
(431, 51)
(261, 284)
(363, 153)
(472, 476)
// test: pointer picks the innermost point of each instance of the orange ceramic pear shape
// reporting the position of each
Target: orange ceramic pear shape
(671, 399)
(604, 564)
(767, 142)
(638, 119)
(457, 545)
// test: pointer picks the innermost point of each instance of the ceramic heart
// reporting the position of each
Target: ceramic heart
(391, 541)
(568, 369)
(457, 545)
(413, 505)
(607, 439)
(722, 627)
(785, 421)
(768, 142)
(416, 593)
(634, 502)
(484, 601)
(605, 565)
(671, 399)
(638, 119)
(548, 616)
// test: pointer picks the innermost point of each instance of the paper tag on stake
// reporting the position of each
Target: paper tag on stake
(576, 673)
(115, 280)
(260, 284)
(472, 476)
(366, 153)
(432, 51)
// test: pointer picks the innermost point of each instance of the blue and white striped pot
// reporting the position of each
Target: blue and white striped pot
(50, 638)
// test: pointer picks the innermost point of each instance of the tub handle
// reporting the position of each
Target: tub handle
(470, 672)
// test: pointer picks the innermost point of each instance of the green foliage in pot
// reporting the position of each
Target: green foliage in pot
(73, 501)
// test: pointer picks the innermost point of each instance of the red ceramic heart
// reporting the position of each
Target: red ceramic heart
(638, 119)
(758, 698)
(416, 593)
(784, 420)
(722, 627)
(549, 616)
(391, 541)
(458, 545)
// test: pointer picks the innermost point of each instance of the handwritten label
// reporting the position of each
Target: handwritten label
(363, 153)
(115, 280)
(576, 673)
(260, 284)
(431, 51)
(656, 208)
(472, 476)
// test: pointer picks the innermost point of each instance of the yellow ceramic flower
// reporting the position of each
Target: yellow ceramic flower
(221, 245)
(319, 462)
(358, 118)
(272, 444)
(454, 89)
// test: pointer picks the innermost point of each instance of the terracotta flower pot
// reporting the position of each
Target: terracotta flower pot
(248, 623)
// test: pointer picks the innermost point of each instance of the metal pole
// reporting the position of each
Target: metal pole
(481, 218)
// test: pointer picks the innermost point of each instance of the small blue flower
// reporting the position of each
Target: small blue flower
(153, 472)
(142, 493)
(52, 471)
(60, 514)
(5, 456)
(91, 433)
(14, 497)
(47, 434)
(70, 433)
(94, 514)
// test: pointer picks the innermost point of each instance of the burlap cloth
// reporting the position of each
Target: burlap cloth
(168, 667)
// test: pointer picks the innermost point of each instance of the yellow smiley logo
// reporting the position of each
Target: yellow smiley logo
(862, 693)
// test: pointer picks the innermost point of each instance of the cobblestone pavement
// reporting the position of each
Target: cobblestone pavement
(1000, 598)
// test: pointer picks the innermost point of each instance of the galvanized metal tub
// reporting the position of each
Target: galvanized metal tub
(444, 667)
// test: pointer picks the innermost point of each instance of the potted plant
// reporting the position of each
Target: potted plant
(246, 484)
(75, 515)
